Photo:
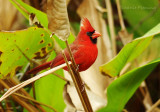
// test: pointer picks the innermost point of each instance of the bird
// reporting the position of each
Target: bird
(84, 50)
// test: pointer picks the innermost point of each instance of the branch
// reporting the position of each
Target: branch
(111, 26)
(154, 106)
(123, 34)
(120, 15)
(79, 85)
(21, 85)
(33, 100)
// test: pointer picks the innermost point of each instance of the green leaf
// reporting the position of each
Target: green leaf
(142, 15)
(14, 46)
(49, 90)
(121, 90)
(129, 52)
(152, 52)
(26, 10)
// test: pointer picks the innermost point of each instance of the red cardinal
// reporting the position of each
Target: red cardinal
(84, 50)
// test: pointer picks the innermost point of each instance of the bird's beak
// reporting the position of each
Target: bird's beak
(95, 35)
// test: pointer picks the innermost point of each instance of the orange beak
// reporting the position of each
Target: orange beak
(95, 35)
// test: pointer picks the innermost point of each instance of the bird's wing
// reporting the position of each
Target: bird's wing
(39, 68)
(59, 58)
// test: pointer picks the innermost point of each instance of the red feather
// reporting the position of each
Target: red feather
(84, 50)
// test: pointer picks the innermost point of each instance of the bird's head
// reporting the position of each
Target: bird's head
(88, 30)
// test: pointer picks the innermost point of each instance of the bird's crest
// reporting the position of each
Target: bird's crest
(85, 25)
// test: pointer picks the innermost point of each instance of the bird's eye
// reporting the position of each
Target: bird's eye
(90, 33)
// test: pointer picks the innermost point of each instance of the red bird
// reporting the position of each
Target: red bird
(84, 50)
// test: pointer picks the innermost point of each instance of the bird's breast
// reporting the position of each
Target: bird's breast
(87, 57)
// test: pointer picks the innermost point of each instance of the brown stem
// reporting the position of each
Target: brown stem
(120, 15)
(28, 98)
(21, 85)
(78, 82)
(111, 26)
(75, 83)
(25, 104)
(34, 92)
(147, 101)
(7, 104)
(60, 77)
(22, 91)
(1, 107)
(154, 106)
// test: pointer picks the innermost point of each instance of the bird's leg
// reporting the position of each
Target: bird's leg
(83, 86)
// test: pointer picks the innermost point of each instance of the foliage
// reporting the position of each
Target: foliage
(125, 86)
(17, 46)
(20, 47)
(129, 53)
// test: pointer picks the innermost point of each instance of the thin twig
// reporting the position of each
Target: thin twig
(25, 104)
(25, 97)
(147, 101)
(111, 26)
(6, 104)
(123, 33)
(154, 106)
(78, 83)
(75, 83)
(124, 110)
(33, 90)
(125, 68)
(60, 77)
(1, 107)
(120, 15)
(14, 81)
(21, 85)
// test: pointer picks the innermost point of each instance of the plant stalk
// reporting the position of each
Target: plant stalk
(111, 26)
(21, 85)
(78, 82)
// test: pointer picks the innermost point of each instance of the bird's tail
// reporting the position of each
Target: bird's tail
(39, 68)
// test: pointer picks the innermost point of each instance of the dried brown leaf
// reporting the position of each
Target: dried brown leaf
(125, 36)
(67, 99)
(111, 26)
(96, 101)
(58, 18)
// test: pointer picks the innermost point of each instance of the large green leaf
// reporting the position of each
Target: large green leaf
(142, 15)
(121, 90)
(26, 10)
(49, 90)
(129, 52)
(33, 42)
(42, 18)
(152, 52)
